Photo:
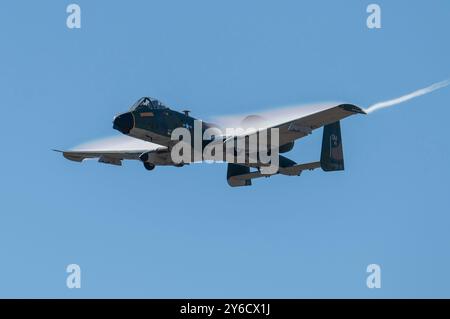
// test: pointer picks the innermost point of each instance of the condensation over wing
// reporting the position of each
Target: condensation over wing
(111, 150)
(293, 122)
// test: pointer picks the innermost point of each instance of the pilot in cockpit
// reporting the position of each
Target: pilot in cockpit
(148, 103)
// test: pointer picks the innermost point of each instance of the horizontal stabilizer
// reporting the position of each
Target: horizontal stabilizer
(244, 179)
(240, 175)
(296, 170)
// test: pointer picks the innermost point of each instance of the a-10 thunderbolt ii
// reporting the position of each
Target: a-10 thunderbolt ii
(150, 120)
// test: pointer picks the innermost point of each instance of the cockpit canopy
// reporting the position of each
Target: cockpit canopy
(148, 103)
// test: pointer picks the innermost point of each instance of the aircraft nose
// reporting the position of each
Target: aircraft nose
(124, 122)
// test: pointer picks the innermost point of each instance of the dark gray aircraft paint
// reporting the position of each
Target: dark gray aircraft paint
(150, 120)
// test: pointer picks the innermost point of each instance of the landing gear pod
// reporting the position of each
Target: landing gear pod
(149, 166)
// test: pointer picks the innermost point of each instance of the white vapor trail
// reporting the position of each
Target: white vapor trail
(404, 98)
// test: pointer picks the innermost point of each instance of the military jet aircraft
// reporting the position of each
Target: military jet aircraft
(150, 120)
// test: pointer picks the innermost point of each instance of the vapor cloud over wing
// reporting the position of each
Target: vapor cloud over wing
(270, 118)
(114, 143)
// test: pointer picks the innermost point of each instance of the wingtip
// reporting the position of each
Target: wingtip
(352, 108)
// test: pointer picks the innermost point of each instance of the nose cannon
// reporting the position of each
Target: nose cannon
(124, 122)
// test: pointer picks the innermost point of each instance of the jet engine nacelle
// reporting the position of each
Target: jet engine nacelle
(252, 121)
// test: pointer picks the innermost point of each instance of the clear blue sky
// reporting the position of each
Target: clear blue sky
(184, 232)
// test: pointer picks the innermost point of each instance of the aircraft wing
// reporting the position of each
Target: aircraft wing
(112, 150)
(304, 125)
(302, 121)
(312, 119)
(108, 157)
